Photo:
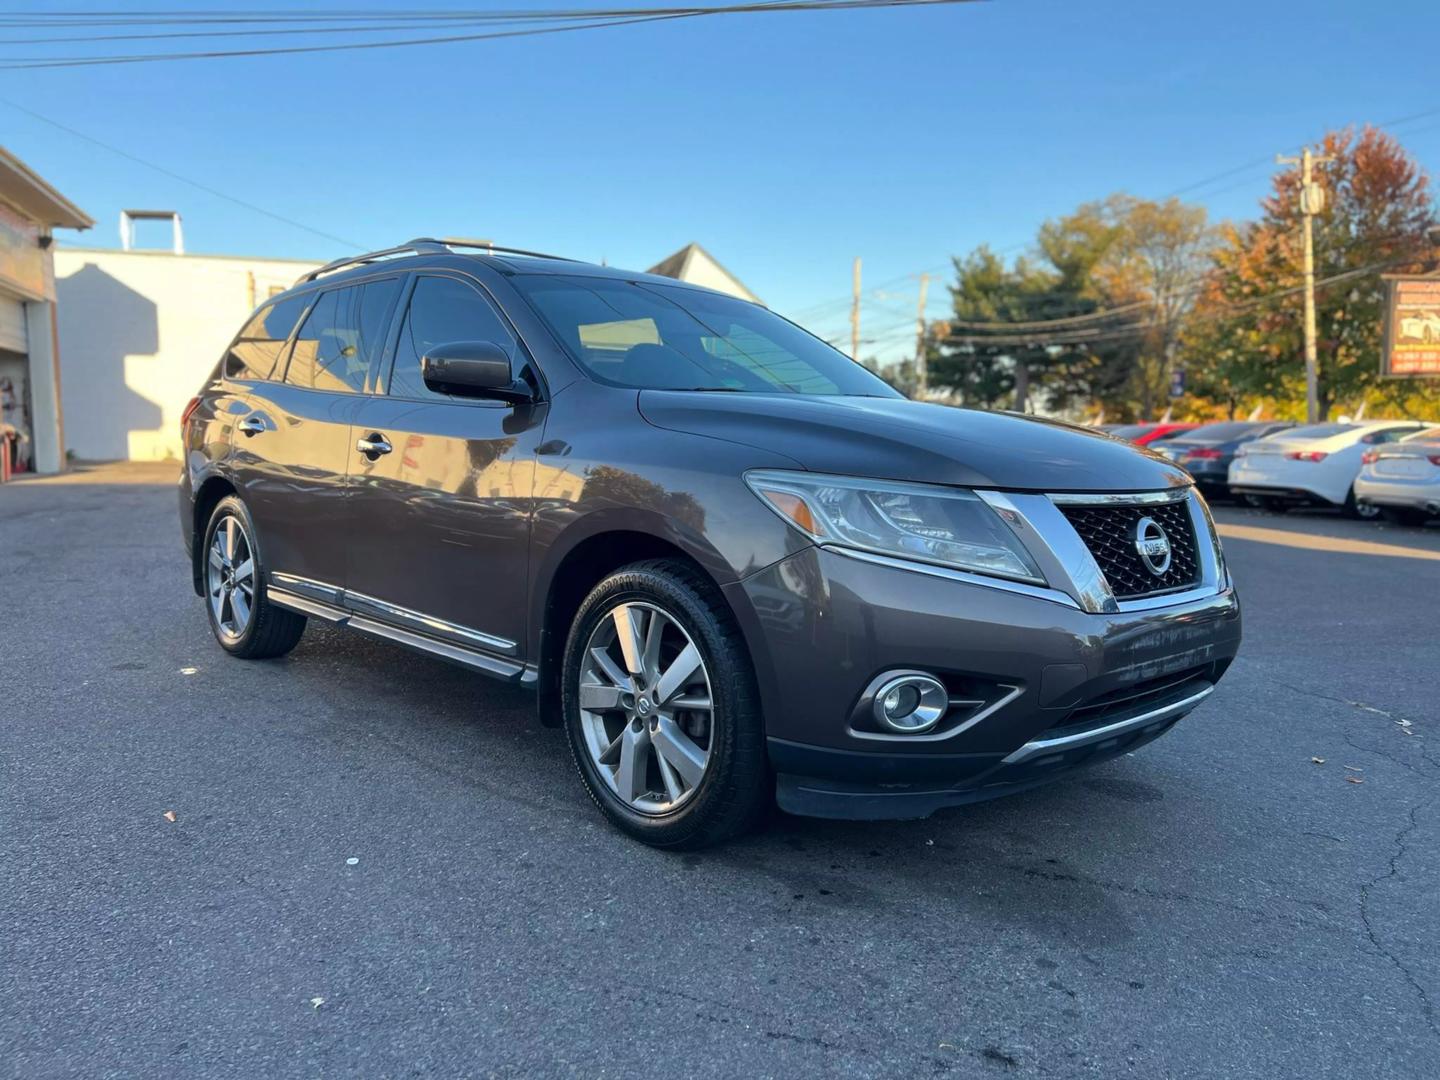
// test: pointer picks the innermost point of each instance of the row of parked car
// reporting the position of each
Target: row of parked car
(1368, 468)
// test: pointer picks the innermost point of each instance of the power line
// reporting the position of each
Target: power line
(577, 20)
(1221, 311)
(388, 28)
(184, 179)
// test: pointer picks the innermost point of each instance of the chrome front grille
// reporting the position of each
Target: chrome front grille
(1111, 531)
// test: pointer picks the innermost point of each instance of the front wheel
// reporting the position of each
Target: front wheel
(661, 710)
(244, 621)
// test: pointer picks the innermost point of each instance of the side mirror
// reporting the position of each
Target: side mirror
(473, 369)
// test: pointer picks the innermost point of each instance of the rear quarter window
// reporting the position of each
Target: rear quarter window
(257, 347)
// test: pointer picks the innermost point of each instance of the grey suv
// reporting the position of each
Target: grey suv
(736, 567)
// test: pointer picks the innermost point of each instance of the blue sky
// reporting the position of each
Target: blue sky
(786, 144)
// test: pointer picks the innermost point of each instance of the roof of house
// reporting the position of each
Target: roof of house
(22, 188)
(685, 262)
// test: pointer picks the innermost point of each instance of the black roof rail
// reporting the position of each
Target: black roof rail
(422, 245)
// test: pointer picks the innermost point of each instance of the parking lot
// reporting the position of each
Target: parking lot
(383, 865)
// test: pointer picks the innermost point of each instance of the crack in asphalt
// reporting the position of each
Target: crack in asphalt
(1401, 848)
(1427, 1007)
(1406, 725)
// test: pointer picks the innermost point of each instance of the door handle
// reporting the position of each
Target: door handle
(252, 425)
(373, 445)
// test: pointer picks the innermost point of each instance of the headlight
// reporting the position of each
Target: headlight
(947, 526)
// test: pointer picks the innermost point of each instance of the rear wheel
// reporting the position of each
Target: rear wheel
(1364, 511)
(244, 621)
(1403, 515)
(1274, 505)
(661, 709)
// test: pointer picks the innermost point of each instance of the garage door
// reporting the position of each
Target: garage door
(12, 325)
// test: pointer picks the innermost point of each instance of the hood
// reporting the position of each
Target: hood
(897, 439)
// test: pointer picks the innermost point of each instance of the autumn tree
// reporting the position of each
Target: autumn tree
(1248, 336)
(1154, 267)
(1096, 315)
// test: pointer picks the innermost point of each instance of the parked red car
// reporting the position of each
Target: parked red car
(1145, 434)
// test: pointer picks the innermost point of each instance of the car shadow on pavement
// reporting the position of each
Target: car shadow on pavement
(1035, 861)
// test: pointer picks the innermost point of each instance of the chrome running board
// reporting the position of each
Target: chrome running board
(500, 667)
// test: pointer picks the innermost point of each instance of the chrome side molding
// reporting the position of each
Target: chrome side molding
(428, 624)
(491, 665)
(414, 629)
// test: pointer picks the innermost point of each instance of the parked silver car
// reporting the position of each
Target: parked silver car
(1403, 478)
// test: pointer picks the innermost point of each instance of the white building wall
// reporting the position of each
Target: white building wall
(702, 270)
(139, 331)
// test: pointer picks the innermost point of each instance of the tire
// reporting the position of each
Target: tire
(659, 791)
(1255, 502)
(265, 630)
(1361, 511)
(1274, 505)
(1403, 515)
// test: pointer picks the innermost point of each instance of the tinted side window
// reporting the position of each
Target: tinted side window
(258, 345)
(442, 310)
(343, 333)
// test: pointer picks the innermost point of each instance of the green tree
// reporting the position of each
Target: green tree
(989, 366)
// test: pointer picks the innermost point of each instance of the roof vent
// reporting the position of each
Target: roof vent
(127, 227)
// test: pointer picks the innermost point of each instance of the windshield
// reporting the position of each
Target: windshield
(1318, 431)
(660, 337)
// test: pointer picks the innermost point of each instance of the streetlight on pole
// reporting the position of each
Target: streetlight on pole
(1312, 201)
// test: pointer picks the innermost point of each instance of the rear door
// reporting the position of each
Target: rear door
(441, 502)
(293, 446)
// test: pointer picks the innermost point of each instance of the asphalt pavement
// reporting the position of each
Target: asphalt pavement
(381, 865)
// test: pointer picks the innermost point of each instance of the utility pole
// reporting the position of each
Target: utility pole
(1312, 201)
(855, 315)
(922, 376)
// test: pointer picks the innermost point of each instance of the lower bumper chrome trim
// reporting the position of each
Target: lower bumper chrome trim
(1041, 746)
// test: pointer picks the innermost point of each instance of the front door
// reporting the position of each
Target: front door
(441, 496)
(294, 445)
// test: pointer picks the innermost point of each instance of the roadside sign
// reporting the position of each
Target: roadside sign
(1412, 328)
(1177, 382)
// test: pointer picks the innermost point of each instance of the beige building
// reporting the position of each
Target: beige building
(141, 330)
(30, 408)
(694, 264)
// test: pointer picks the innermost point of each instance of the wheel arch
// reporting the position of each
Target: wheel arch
(207, 497)
(576, 567)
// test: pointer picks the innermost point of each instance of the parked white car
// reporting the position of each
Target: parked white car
(1313, 465)
(1403, 478)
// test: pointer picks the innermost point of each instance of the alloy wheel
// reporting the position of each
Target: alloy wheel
(646, 707)
(230, 577)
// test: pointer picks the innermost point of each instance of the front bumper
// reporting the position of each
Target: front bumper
(1049, 687)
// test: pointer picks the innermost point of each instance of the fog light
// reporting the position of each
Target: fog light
(911, 704)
